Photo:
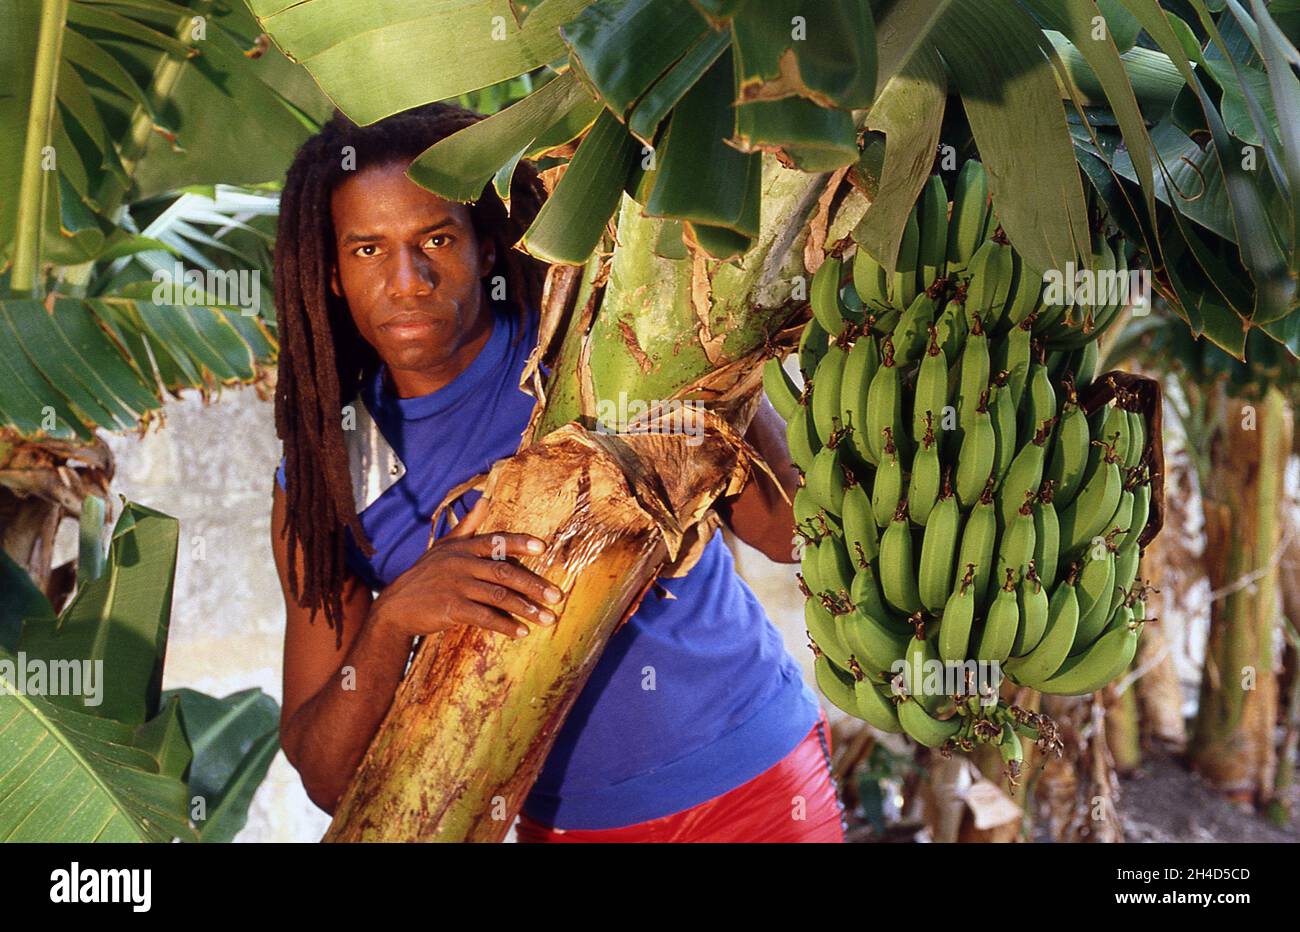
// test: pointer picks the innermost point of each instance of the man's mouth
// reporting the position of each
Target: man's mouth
(409, 324)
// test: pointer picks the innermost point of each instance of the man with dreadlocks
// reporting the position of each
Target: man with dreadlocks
(398, 381)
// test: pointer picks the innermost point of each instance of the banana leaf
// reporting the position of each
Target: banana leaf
(234, 740)
(109, 102)
(106, 363)
(70, 776)
(119, 620)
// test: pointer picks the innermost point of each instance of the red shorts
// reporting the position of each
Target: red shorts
(792, 801)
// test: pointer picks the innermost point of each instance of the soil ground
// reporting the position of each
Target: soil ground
(1164, 801)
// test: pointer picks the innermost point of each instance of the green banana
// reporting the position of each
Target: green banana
(825, 632)
(1047, 533)
(887, 490)
(809, 516)
(1039, 403)
(1054, 646)
(834, 567)
(1102, 662)
(978, 542)
(978, 453)
(958, 619)
(861, 364)
(1071, 447)
(938, 548)
(866, 598)
(897, 569)
(884, 407)
(861, 535)
(813, 343)
(824, 295)
(933, 251)
(876, 646)
(877, 708)
(1126, 570)
(1115, 427)
(1096, 586)
(1137, 430)
(809, 568)
(851, 304)
(991, 271)
(780, 388)
(1013, 353)
(931, 395)
(1004, 427)
(950, 329)
(907, 266)
(972, 381)
(1033, 605)
(1090, 510)
(923, 487)
(826, 480)
(1121, 522)
(825, 394)
(1016, 547)
(1024, 475)
(970, 214)
(1026, 293)
(922, 728)
(1141, 511)
(1087, 368)
(999, 632)
(801, 439)
(1012, 752)
(836, 685)
(920, 662)
(871, 282)
(910, 334)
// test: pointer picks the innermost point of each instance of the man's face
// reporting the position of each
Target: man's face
(409, 266)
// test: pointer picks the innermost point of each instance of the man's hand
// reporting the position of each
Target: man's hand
(465, 578)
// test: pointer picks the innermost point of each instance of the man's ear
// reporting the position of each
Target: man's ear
(487, 257)
(335, 285)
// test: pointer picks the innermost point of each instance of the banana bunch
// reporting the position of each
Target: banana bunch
(959, 509)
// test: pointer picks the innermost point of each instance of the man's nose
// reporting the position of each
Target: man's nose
(412, 275)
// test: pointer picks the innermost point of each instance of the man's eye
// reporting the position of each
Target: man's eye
(361, 250)
(442, 239)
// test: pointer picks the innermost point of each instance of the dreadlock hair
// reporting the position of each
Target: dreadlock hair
(323, 357)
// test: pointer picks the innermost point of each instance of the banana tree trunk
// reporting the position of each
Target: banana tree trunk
(475, 717)
(1159, 694)
(1232, 745)
(1079, 790)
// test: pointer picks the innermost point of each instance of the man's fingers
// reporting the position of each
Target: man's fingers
(469, 524)
(523, 581)
(472, 613)
(501, 544)
(502, 597)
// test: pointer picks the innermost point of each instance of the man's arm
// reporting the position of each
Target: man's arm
(759, 515)
(336, 695)
(327, 719)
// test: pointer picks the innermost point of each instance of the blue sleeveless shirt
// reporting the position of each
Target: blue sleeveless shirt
(692, 697)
